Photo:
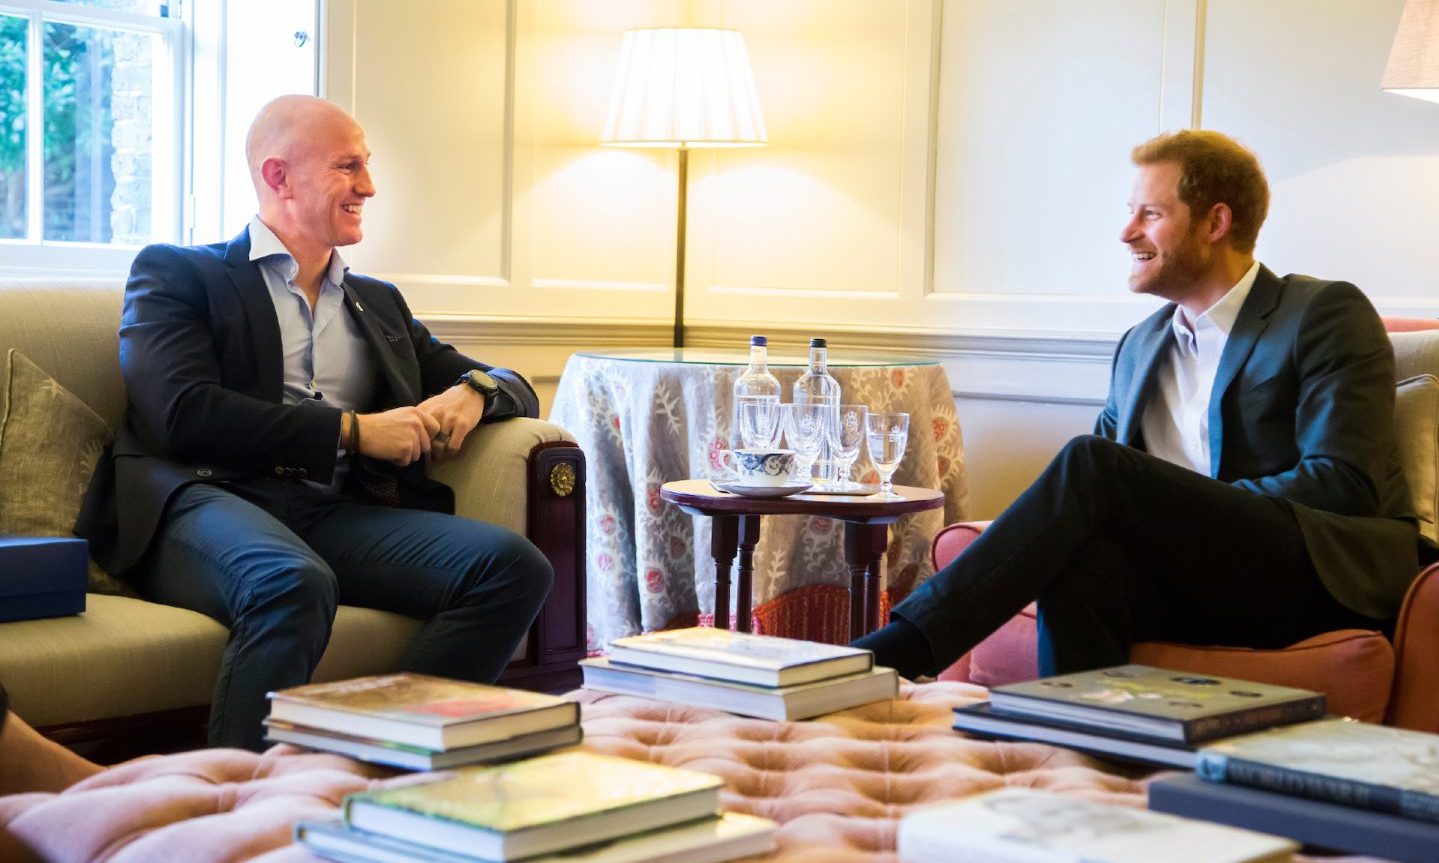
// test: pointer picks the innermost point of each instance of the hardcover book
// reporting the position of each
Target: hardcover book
(1330, 826)
(980, 721)
(779, 703)
(42, 576)
(1023, 825)
(1339, 760)
(535, 806)
(727, 836)
(418, 710)
(378, 751)
(1157, 704)
(741, 657)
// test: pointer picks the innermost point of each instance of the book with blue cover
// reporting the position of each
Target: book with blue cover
(42, 576)
(1336, 760)
(1331, 826)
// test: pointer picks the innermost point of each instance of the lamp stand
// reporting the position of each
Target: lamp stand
(680, 249)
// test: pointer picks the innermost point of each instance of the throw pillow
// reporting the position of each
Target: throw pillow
(1416, 424)
(50, 442)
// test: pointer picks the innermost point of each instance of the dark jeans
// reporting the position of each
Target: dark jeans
(1118, 546)
(271, 559)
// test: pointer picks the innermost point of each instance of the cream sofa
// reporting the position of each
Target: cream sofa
(127, 667)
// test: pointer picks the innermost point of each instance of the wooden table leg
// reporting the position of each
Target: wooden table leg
(724, 538)
(748, 538)
(864, 546)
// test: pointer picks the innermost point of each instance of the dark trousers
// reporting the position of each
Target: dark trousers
(271, 559)
(1118, 546)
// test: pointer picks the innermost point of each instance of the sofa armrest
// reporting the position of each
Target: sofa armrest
(1414, 703)
(489, 475)
(529, 476)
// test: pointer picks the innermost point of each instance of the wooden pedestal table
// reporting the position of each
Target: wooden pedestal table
(737, 526)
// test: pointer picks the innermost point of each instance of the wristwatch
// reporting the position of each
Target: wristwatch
(481, 382)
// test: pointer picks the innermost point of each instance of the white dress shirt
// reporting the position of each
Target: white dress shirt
(1176, 418)
(326, 360)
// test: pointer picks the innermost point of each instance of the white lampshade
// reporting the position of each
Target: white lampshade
(684, 88)
(1413, 68)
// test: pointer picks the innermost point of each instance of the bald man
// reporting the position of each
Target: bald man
(270, 464)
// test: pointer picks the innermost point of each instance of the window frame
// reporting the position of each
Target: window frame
(33, 254)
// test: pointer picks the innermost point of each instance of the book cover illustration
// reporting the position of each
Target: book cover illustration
(1153, 692)
(1027, 824)
(415, 698)
(1358, 754)
(734, 648)
(540, 791)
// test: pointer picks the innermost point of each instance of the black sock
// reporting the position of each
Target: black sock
(900, 645)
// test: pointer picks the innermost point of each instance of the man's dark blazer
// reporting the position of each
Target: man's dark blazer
(201, 356)
(1302, 409)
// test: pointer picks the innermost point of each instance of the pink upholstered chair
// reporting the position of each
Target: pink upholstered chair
(1365, 675)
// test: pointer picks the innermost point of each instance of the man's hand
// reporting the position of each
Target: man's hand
(458, 410)
(400, 436)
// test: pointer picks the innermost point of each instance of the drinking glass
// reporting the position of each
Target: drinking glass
(846, 432)
(759, 422)
(804, 429)
(886, 435)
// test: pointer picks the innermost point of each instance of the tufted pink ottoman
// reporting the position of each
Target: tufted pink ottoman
(837, 785)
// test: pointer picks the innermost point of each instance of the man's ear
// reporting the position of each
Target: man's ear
(276, 175)
(1219, 222)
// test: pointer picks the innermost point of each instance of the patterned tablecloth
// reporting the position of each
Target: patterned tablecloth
(645, 418)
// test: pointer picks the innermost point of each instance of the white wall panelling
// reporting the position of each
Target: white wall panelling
(943, 176)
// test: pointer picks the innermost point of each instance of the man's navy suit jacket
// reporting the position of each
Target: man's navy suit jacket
(200, 353)
(1302, 409)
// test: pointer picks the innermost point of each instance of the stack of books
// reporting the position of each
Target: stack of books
(1023, 825)
(753, 675)
(421, 723)
(1334, 783)
(576, 807)
(1135, 712)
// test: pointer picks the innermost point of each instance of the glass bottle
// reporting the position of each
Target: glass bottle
(758, 426)
(816, 385)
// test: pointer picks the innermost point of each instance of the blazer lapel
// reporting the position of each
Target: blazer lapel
(1149, 353)
(1248, 327)
(259, 309)
(379, 346)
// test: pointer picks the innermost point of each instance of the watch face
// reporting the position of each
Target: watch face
(482, 381)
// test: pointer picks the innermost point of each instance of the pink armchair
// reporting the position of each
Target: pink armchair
(1365, 675)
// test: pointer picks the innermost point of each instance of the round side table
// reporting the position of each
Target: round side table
(737, 526)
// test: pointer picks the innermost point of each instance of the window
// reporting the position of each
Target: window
(90, 131)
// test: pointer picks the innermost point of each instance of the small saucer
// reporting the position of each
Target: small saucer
(761, 490)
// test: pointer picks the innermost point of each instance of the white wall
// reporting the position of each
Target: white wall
(944, 177)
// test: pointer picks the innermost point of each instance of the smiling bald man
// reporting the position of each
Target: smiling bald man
(270, 464)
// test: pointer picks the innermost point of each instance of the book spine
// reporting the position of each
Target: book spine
(1217, 767)
(1230, 724)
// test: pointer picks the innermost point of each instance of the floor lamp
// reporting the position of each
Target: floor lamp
(1413, 68)
(683, 88)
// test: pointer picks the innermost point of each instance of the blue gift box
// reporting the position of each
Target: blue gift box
(42, 576)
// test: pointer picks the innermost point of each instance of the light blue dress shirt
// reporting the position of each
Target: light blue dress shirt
(326, 360)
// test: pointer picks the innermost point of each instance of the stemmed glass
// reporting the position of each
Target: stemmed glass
(886, 435)
(846, 432)
(803, 426)
(759, 423)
